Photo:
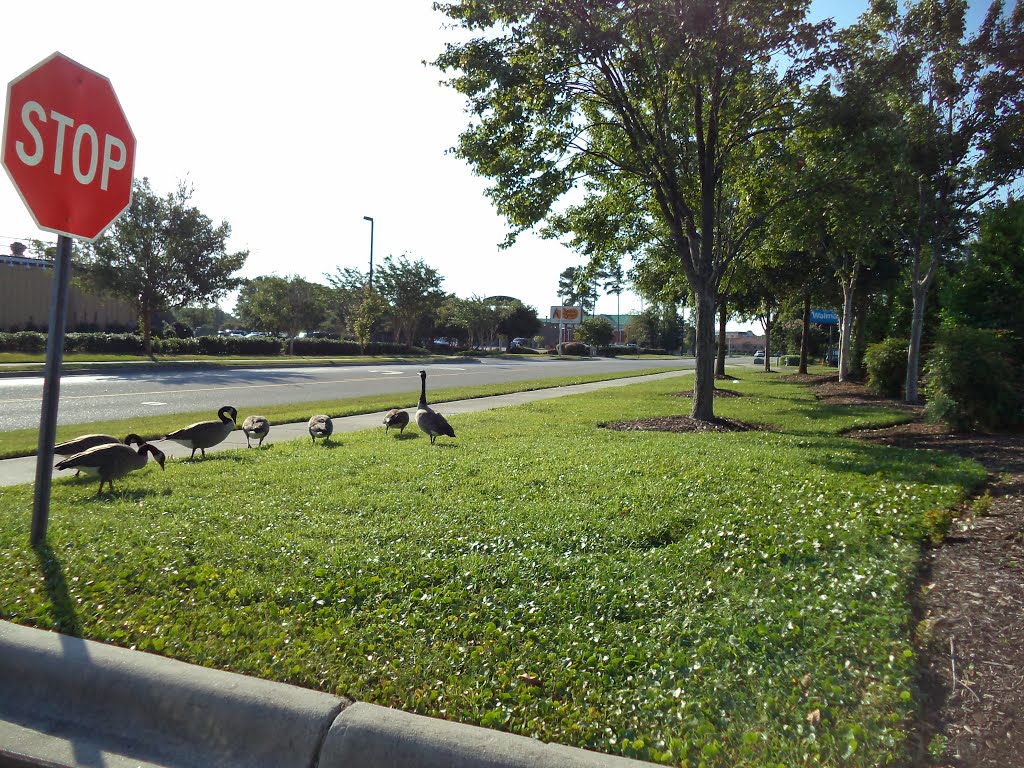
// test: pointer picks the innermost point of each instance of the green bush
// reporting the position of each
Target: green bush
(793, 360)
(574, 348)
(886, 364)
(23, 341)
(175, 346)
(104, 343)
(262, 346)
(973, 381)
(306, 346)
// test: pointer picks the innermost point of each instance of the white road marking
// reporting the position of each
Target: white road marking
(153, 403)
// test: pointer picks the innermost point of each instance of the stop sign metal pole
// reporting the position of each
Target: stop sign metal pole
(51, 390)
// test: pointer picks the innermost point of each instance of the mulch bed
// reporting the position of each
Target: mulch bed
(970, 605)
(681, 424)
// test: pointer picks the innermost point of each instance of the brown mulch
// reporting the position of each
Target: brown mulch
(971, 602)
(680, 424)
(970, 605)
(718, 393)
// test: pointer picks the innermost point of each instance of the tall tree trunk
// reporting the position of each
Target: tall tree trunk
(919, 289)
(768, 341)
(860, 317)
(848, 283)
(147, 331)
(723, 316)
(805, 333)
(704, 365)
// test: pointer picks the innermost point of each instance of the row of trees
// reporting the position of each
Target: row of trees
(405, 301)
(169, 261)
(740, 154)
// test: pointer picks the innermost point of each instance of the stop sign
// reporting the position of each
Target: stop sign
(68, 147)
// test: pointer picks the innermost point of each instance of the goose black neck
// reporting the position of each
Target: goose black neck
(423, 390)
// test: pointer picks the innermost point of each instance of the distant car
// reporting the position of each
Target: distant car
(759, 356)
(832, 357)
(519, 341)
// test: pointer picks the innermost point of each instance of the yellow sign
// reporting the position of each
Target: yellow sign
(567, 315)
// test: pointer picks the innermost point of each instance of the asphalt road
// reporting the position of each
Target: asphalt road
(126, 394)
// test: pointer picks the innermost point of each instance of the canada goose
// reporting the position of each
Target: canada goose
(206, 434)
(320, 426)
(79, 444)
(430, 421)
(112, 460)
(255, 426)
(396, 417)
(85, 442)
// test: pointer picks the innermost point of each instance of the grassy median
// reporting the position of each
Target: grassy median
(24, 442)
(718, 599)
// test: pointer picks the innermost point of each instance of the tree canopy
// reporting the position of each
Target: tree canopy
(162, 253)
(662, 110)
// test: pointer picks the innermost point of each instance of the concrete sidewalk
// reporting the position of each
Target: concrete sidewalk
(23, 470)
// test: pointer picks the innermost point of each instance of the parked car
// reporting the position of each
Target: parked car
(519, 341)
(832, 357)
(759, 356)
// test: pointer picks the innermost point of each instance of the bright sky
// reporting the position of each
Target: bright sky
(293, 124)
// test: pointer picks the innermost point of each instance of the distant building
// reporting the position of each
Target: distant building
(26, 287)
(743, 342)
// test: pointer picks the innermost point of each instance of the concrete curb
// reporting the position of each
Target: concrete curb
(65, 701)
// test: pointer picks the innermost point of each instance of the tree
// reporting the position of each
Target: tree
(160, 254)
(367, 314)
(986, 290)
(667, 109)
(347, 292)
(478, 316)
(959, 97)
(596, 331)
(613, 282)
(413, 291)
(518, 319)
(282, 305)
(576, 291)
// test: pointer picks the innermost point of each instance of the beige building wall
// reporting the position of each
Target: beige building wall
(25, 292)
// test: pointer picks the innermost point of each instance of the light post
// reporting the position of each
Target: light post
(370, 219)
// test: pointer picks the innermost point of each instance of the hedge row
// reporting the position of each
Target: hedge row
(260, 346)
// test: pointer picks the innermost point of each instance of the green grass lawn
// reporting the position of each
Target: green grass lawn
(24, 442)
(692, 599)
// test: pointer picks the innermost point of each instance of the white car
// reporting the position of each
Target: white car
(759, 356)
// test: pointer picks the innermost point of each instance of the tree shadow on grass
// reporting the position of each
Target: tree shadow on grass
(62, 607)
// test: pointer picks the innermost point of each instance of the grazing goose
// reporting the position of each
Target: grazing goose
(255, 426)
(320, 426)
(429, 420)
(85, 442)
(112, 460)
(396, 417)
(206, 434)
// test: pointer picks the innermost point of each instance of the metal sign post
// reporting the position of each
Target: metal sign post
(51, 390)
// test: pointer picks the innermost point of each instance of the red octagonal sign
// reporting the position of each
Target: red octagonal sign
(68, 147)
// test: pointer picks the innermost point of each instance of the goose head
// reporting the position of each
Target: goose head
(158, 455)
(228, 413)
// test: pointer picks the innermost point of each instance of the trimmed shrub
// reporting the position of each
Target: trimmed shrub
(23, 341)
(793, 360)
(105, 343)
(973, 381)
(307, 346)
(174, 346)
(521, 351)
(574, 348)
(886, 364)
(259, 346)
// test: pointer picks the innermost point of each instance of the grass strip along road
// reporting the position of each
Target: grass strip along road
(24, 442)
(718, 599)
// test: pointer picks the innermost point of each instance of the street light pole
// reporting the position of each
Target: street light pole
(370, 219)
